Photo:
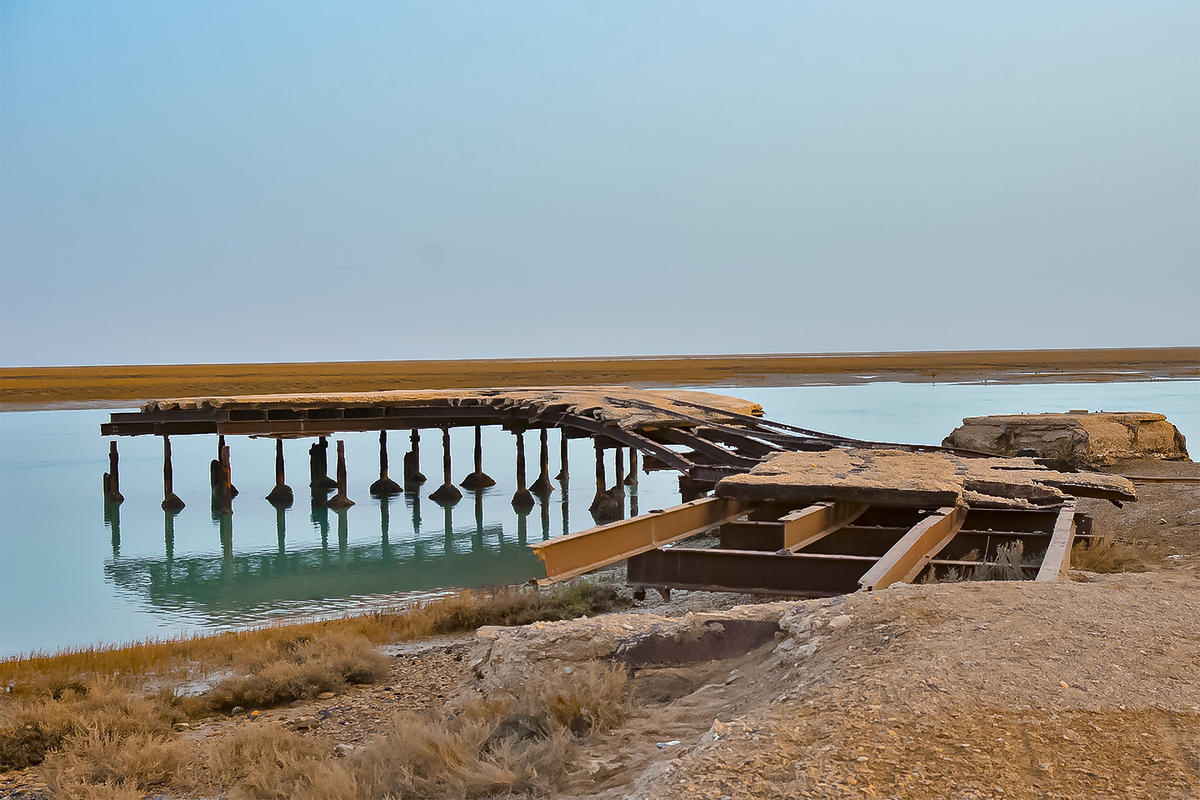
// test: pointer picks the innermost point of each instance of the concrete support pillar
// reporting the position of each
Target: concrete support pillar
(478, 479)
(318, 464)
(340, 500)
(281, 496)
(522, 500)
(563, 474)
(221, 448)
(604, 508)
(542, 487)
(447, 494)
(112, 478)
(171, 501)
(632, 478)
(223, 491)
(618, 489)
(385, 486)
(412, 461)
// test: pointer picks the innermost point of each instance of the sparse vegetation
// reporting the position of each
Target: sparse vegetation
(101, 718)
(1010, 565)
(516, 742)
(1105, 554)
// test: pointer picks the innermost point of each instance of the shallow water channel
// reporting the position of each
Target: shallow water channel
(71, 575)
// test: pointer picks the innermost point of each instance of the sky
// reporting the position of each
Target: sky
(287, 181)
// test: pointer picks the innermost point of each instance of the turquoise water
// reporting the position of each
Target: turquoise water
(69, 575)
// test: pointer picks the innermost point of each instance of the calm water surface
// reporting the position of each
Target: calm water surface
(69, 575)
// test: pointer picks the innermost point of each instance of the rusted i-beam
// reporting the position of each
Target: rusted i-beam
(921, 543)
(572, 555)
(1058, 554)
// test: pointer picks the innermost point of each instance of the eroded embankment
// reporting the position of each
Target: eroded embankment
(967, 690)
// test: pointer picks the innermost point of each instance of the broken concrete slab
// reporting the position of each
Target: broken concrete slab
(916, 480)
(1080, 438)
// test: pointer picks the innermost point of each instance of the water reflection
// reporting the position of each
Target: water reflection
(112, 519)
(232, 586)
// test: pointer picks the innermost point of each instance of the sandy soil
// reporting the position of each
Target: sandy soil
(33, 387)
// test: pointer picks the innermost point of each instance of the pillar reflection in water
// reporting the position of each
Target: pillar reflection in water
(545, 505)
(225, 524)
(281, 528)
(320, 520)
(522, 529)
(169, 538)
(112, 519)
(385, 545)
(343, 537)
(477, 540)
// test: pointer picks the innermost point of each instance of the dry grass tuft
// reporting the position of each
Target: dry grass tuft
(32, 727)
(459, 757)
(93, 761)
(519, 742)
(265, 761)
(1010, 565)
(1108, 555)
(303, 669)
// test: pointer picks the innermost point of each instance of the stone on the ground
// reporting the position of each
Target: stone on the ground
(1081, 439)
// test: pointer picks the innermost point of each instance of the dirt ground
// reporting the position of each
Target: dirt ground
(1089, 688)
(23, 388)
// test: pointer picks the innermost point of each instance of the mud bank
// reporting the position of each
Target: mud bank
(33, 387)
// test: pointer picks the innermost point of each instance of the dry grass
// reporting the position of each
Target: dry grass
(181, 659)
(78, 724)
(1104, 554)
(264, 761)
(300, 670)
(1010, 565)
(101, 719)
(518, 742)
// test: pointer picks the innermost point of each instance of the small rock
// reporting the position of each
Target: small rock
(181, 726)
(325, 696)
(664, 745)
(1064, 684)
(568, 670)
(840, 621)
(236, 710)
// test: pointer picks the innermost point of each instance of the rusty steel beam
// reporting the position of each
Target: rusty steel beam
(755, 447)
(802, 528)
(1058, 554)
(572, 555)
(915, 547)
(703, 446)
(748, 571)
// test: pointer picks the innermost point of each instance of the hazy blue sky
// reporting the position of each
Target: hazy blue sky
(185, 182)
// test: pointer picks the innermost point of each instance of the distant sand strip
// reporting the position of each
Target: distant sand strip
(42, 387)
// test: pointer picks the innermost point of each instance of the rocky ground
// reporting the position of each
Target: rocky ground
(1088, 688)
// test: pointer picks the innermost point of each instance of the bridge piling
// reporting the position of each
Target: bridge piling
(340, 501)
(112, 478)
(447, 494)
(171, 501)
(522, 500)
(542, 486)
(281, 496)
(478, 479)
(412, 461)
(385, 486)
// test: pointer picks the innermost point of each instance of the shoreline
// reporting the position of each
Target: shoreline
(40, 388)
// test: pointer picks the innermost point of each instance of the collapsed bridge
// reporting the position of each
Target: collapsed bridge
(797, 511)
